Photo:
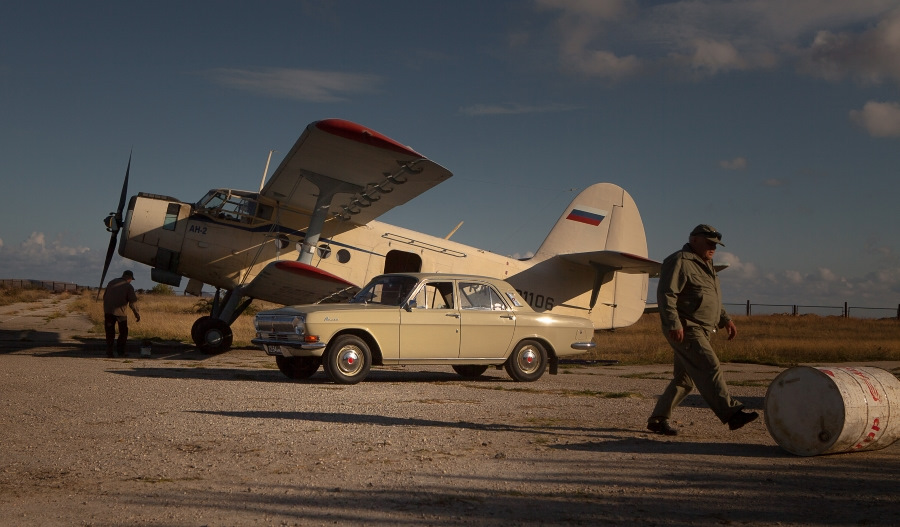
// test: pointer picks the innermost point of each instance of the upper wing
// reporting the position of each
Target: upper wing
(288, 282)
(370, 172)
(616, 261)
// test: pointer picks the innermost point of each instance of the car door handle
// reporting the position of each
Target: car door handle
(511, 317)
(454, 315)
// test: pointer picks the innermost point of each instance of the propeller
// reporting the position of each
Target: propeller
(113, 224)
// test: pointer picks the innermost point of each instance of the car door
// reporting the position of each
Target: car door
(429, 328)
(487, 323)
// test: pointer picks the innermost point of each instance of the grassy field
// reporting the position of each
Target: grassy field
(781, 340)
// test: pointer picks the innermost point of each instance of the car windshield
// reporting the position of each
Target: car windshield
(385, 290)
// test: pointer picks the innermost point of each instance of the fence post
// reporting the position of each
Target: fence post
(846, 311)
(748, 309)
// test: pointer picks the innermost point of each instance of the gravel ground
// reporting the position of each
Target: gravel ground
(181, 438)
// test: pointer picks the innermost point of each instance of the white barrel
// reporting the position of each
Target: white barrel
(825, 410)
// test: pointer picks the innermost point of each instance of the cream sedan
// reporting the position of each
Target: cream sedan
(467, 322)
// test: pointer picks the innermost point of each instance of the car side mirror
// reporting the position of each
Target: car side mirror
(411, 305)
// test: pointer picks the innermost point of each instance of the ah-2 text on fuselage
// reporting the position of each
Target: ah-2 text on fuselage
(311, 235)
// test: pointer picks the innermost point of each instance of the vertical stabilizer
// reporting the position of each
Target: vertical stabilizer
(603, 217)
(595, 258)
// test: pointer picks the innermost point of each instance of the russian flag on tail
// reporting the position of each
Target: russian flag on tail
(587, 215)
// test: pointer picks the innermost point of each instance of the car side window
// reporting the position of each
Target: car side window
(474, 295)
(435, 295)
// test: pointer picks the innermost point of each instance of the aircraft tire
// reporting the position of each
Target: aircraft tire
(347, 360)
(298, 367)
(470, 371)
(216, 336)
(197, 329)
(527, 362)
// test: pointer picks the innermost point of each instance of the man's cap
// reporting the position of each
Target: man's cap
(128, 274)
(709, 233)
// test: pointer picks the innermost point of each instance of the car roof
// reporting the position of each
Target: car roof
(448, 276)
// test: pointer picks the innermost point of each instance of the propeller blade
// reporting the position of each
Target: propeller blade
(124, 188)
(109, 254)
(117, 225)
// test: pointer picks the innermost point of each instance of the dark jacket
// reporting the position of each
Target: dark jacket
(688, 293)
(119, 293)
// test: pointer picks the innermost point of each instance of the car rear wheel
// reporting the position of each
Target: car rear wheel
(348, 360)
(470, 370)
(527, 362)
(298, 367)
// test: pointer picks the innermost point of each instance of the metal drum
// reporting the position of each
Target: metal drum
(825, 410)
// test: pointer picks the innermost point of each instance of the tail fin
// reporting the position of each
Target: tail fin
(603, 217)
(597, 251)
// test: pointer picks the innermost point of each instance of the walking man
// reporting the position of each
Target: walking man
(119, 293)
(690, 309)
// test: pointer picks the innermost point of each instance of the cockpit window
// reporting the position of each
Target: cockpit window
(386, 291)
(233, 205)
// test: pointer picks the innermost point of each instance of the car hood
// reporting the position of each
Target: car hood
(325, 308)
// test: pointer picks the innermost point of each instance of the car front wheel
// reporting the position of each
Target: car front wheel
(348, 360)
(298, 367)
(527, 362)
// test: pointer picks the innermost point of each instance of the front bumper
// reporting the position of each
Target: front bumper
(276, 347)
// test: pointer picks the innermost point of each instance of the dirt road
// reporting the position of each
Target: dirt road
(180, 438)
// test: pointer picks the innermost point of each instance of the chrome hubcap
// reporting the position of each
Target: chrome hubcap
(349, 361)
(528, 360)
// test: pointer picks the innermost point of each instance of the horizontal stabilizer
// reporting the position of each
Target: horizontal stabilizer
(288, 282)
(616, 261)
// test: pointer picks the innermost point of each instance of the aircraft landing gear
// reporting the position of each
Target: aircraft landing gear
(212, 335)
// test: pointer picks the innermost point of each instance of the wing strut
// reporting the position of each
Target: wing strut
(328, 189)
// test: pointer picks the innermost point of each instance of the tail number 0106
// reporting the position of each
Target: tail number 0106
(537, 301)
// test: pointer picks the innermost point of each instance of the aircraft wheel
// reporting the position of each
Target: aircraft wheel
(528, 362)
(298, 367)
(347, 360)
(197, 329)
(470, 371)
(216, 336)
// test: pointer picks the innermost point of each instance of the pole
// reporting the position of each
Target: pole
(266, 171)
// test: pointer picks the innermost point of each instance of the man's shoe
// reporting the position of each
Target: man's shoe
(740, 419)
(661, 427)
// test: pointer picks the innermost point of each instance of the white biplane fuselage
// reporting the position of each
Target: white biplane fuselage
(310, 235)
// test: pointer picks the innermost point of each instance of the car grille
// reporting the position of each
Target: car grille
(288, 327)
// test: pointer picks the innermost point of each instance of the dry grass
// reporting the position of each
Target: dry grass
(781, 340)
(14, 295)
(765, 339)
(169, 318)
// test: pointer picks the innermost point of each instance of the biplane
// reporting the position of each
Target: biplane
(311, 234)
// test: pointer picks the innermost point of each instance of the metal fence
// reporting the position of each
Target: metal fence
(796, 309)
(41, 284)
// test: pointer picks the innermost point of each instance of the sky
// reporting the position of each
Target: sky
(776, 122)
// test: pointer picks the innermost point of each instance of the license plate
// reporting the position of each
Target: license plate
(273, 350)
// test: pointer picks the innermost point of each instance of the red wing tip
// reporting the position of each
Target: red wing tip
(359, 133)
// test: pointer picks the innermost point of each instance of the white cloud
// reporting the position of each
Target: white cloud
(304, 85)
(514, 109)
(869, 56)
(880, 119)
(39, 259)
(738, 163)
(743, 281)
(832, 39)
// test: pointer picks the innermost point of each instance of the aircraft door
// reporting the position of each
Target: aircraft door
(402, 262)
(430, 329)
(487, 323)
